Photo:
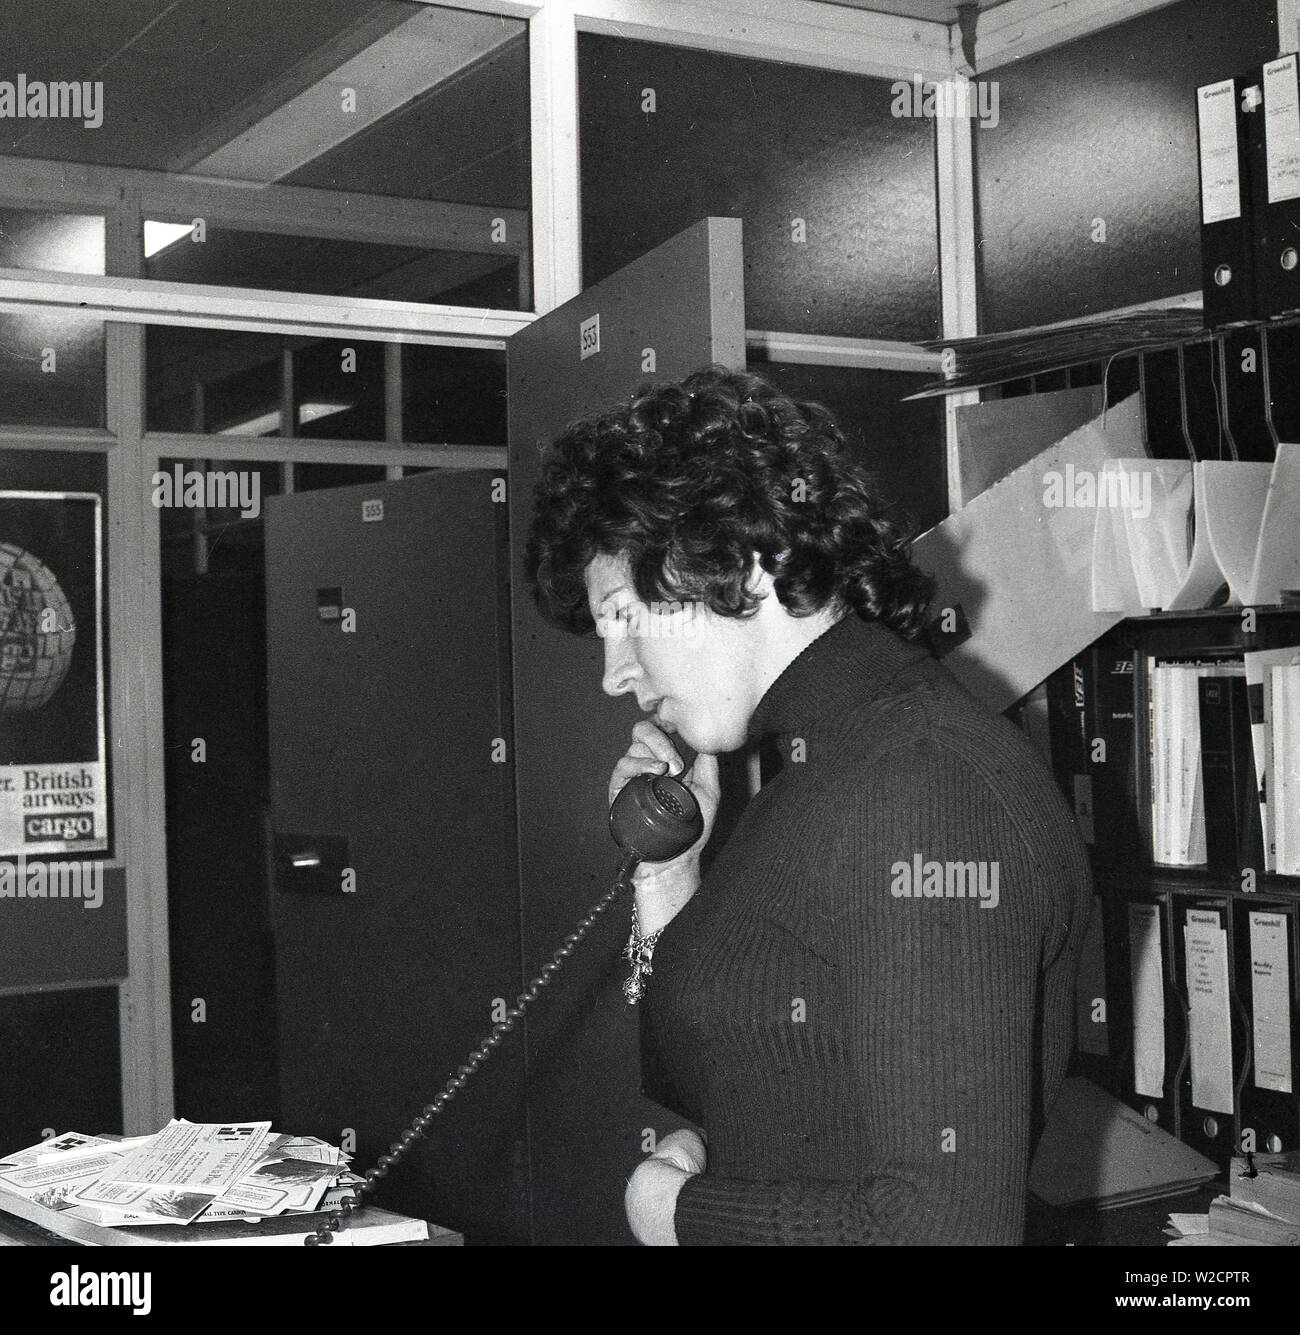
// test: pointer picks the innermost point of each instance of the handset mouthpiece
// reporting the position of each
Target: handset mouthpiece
(655, 818)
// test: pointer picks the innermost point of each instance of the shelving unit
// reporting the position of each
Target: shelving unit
(1205, 398)
(1126, 875)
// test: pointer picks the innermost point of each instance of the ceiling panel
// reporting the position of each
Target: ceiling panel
(472, 136)
(171, 69)
(250, 91)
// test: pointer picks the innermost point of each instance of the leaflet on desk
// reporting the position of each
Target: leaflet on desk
(94, 1178)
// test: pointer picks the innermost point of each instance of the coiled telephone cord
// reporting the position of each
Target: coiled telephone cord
(349, 1205)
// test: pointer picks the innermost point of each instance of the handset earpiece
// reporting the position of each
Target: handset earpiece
(655, 818)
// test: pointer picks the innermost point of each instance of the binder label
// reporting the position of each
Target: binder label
(1210, 1019)
(1270, 989)
(1216, 112)
(1282, 129)
(1146, 972)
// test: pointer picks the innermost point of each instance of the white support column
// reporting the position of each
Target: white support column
(135, 635)
(134, 608)
(135, 631)
(557, 218)
(954, 152)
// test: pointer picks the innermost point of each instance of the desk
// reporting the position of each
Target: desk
(23, 1230)
(1138, 1225)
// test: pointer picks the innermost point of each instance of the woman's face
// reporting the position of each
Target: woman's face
(695, 672)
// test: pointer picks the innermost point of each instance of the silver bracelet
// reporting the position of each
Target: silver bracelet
(639, 951)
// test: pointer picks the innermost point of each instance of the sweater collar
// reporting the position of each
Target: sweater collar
(844, 667)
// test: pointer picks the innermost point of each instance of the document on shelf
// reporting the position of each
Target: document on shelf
(1282, 129)
(89, 1179)
(1013, 568)
(57, 1147)
(1095, 1149)
(1158, 535)
(1146, 967)
(53, 1182)
(310, 1149)
(195, 1156)
(68, 1153)
(1232, 512)
(1270, 985)
(1177, 782)
(115, 1203)
(1284, 792)
(1259, 691)
(1190, 831)
(1210, 1018)
(1276, 571)
(997, 437)
(1216, 116)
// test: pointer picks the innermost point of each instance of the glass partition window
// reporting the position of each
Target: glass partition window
(286, 262)
(51, 369)
(237, 384)
(42, 239)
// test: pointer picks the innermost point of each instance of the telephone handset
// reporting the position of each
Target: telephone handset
(654, 818)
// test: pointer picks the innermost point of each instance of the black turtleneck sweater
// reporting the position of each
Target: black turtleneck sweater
(872, 1066)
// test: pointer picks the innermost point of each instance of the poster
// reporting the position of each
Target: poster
(53, 780)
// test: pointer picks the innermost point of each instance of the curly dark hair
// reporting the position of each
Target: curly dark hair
(689, 480)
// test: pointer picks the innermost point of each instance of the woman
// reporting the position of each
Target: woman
(866, 1004)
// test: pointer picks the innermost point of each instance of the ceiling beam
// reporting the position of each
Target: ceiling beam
(828, 36)
(1023, 28)
(146, 301)
(426, 50)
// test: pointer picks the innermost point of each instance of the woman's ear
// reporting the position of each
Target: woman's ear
(758, 582)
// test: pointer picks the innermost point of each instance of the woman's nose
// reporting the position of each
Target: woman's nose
(620, 664)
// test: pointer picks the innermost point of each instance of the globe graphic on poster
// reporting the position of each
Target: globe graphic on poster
(36, 632)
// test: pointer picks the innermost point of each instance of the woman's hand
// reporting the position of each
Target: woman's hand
(651, 1196)
(664, 888)
(652, 752)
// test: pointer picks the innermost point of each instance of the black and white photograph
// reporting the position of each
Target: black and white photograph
(629, 623)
